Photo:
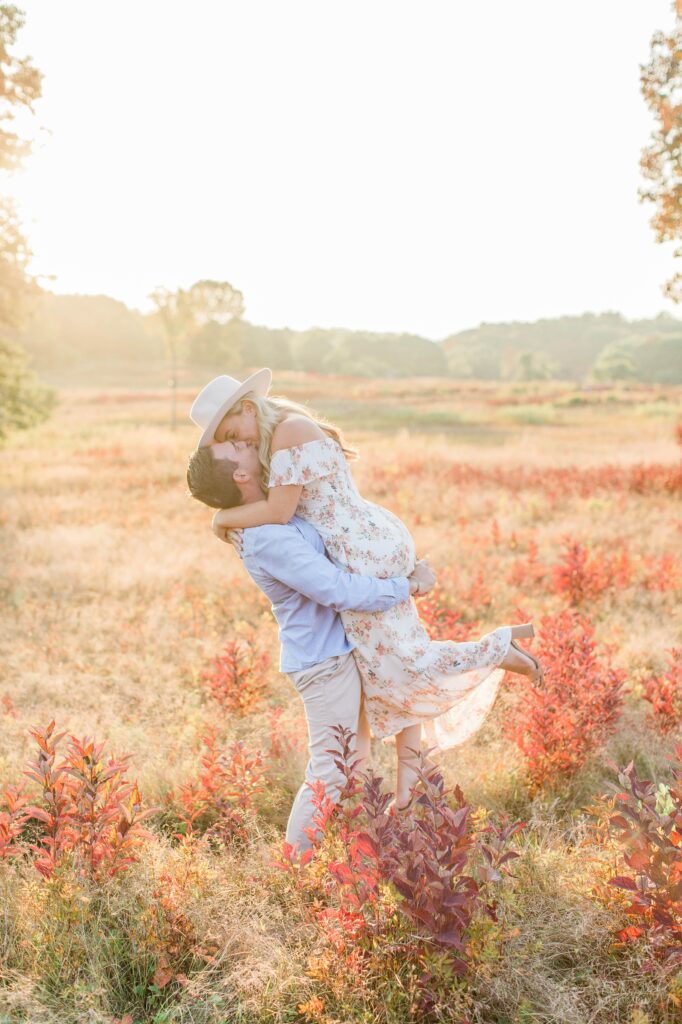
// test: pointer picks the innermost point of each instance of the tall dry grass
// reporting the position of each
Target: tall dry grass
(116, 596)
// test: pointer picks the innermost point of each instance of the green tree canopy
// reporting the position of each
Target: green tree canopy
(183, 313)
(24, 401)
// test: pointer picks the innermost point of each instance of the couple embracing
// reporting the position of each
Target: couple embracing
(341, 573)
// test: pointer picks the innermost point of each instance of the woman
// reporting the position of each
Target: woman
(407, 678)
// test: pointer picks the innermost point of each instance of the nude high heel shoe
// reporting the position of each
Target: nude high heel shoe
(393, 808)
(526, 630)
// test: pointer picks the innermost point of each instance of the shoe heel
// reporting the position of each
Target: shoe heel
(525, 630)
(538, 667)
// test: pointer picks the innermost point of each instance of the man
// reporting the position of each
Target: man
(290, 565)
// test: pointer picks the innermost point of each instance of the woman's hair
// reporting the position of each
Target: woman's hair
(272, 410)
(210, 479)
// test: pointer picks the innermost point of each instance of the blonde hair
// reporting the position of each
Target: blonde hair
(270, 412)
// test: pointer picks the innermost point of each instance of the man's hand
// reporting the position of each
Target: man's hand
(423, 576)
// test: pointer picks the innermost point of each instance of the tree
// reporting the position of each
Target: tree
(653, 358)
(661, 161)
(181, 314)
(24, 401)
(531, 366)
(20, 86)
(616, 361)
(218, 345)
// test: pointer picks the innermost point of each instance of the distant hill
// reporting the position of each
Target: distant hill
(606, 346)
(70, 331)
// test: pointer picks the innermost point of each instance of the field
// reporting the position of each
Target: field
(539, 501)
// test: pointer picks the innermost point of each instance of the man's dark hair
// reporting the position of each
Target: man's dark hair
(210, 479)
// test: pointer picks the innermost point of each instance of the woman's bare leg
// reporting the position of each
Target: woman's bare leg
(363, 738)
(406, 775)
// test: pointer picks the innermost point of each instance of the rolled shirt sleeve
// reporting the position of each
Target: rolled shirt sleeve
(288, 557)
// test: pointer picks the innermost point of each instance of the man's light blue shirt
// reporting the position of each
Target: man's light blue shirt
(290, 565)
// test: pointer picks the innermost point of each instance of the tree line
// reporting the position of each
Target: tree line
(71, 330)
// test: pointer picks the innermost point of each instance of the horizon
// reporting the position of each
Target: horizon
(364, 330)
(440, 185)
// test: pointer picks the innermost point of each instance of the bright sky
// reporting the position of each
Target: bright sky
(397, 165)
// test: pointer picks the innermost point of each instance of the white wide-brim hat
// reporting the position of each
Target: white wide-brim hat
(219, 395)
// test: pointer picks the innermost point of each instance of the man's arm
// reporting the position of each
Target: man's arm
(289, 558)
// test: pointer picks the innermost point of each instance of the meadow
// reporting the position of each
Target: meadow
(146, 880)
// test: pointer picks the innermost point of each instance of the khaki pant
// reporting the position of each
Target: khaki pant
(331, 693)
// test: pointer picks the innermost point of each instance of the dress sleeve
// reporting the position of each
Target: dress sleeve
(303, 462)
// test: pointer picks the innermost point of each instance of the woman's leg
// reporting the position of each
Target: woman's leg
(406, 775)
(363, 738)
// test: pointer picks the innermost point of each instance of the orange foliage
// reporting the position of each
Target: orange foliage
(8, 705)
(558, 727)
(12, 820)
(651, 835)
(282, 739)
(662, 573)
(90, 814)
(526, 572)
(555, 483)
(221, 799)
(583, 576)
(664, 693)
(236, 678)
(442, 622)
(180, 947)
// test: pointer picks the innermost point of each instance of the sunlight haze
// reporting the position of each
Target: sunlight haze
(388, 166)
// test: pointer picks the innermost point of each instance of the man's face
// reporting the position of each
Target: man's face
(244, 454)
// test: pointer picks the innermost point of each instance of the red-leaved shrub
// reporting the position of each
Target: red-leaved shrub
(661, 573)
(649, 826)
(12, 820)
(557, 727)
(441, 621)
(284, 740)
(529, 570)
(236, 678)
(182, 946)
(582, 576)
(438, 864)
(90, 814)
(220, 800)
(478, 595)
(555, 483)
(8, 705)
(664, 693)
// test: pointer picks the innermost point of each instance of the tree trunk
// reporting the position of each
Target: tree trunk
(174, 384)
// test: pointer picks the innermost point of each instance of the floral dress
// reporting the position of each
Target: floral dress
(407, 678)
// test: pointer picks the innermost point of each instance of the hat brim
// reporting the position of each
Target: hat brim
(259, 382)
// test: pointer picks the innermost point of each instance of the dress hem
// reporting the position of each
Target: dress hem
(425, 719)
